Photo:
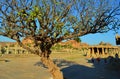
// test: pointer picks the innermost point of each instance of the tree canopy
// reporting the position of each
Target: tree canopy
(56, 19)
(51, 21)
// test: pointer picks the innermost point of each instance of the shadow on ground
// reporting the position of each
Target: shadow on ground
(104, 69)
(59, 62)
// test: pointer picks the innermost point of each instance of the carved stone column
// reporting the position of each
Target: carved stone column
(103, 50)
(7, 49)
(0, 50)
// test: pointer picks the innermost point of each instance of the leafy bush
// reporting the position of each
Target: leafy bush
(3, 50)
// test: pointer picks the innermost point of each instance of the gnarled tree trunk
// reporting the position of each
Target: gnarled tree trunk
(53, 69)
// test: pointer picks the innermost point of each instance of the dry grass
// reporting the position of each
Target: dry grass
(71, 56)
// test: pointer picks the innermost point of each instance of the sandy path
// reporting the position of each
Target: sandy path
(22, 68)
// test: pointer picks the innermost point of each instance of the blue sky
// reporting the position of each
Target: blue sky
(5, 39)
(94, 39)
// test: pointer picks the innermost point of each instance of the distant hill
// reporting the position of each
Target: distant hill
(74, 43)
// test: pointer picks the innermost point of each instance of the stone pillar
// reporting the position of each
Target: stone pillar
(7, 49)
(116, 50)
(27, 52)
(106, 50)
(103, 50)
(89, 52)
(112, 51)
(92, 50)
(21, 51)
(98, 53)
(0, 50)
(15, 49)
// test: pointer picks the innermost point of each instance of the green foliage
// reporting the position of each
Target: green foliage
(77, 39)
(3, 50)
(29, 45)
(31, 15)
(59, 47)
(59, 24)
(72, 19)
(22, 13)
(35, 13)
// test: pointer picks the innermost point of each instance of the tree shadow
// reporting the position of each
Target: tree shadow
(97, 70)
(106, 68)
(59, 62)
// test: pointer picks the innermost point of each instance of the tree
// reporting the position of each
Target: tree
(48, 22)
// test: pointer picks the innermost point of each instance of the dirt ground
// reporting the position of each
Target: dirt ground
(22, 68)
(73, 66)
